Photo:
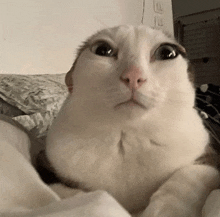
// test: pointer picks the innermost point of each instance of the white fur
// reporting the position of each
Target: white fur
(82, 144)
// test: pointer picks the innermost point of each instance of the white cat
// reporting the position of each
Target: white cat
(129, 127)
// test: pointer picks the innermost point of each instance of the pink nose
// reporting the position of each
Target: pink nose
(133, 78)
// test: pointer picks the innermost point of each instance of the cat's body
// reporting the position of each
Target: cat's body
(128, 125)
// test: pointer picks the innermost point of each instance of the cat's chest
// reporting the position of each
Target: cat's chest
(124, 157)
(129, 164)
(126, 164)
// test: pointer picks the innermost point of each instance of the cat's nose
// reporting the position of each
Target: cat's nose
(133, 78)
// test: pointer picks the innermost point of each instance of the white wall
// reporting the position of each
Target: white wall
(41, 36)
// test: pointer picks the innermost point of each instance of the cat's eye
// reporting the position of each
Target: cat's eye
(166, 52)
(103, 49)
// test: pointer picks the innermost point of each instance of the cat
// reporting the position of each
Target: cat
(129, 127)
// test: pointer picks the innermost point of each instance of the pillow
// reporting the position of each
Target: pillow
(9, 110)
(39, 97)
(37, 124)
(33, 93)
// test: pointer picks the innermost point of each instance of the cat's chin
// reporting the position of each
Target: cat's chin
(131, 104)
(131, 110)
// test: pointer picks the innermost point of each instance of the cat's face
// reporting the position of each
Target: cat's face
(127, 72)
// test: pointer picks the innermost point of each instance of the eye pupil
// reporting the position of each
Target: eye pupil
(103, 50)
(165, 52)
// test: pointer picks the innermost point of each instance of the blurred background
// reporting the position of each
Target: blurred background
(197, 28)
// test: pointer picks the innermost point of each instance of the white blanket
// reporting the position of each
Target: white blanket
(94, 204)
(23, 194)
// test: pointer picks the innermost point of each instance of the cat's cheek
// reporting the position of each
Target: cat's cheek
(124, 91)
(171, 71)
(92, 66)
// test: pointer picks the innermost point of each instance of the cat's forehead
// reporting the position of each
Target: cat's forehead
(131, 34)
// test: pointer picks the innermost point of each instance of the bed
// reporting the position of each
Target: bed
(33, 101)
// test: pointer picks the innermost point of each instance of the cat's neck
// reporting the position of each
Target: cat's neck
(159, 124)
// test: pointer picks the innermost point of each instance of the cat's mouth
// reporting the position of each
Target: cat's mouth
(130, 103)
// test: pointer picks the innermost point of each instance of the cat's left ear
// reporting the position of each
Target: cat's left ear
(69, 80)
(69, 74)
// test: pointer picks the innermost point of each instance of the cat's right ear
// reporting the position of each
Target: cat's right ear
(182, 50)
(191, 67)
(69, 80)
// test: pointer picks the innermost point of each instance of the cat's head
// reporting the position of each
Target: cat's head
(128, 71)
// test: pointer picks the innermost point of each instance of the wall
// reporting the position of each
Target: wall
(38, 37)
(42, 36)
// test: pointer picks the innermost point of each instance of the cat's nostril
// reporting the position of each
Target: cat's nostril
(141, 80)
(127, 80)
(133, 83)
